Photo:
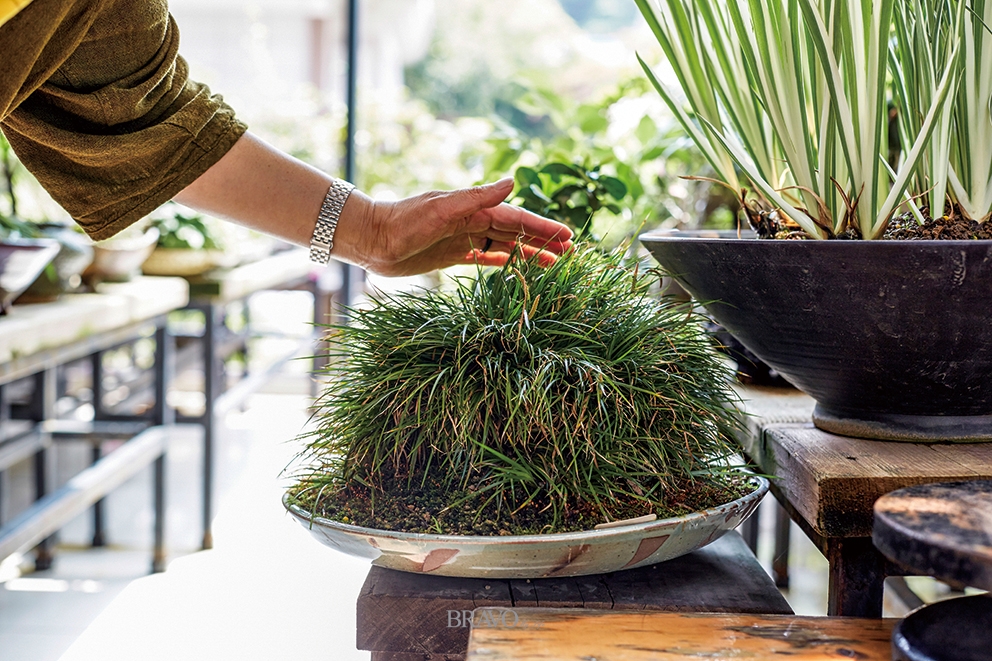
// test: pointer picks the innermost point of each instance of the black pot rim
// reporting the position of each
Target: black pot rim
(730, 236)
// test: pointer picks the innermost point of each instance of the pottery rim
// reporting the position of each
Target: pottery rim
(761, 486)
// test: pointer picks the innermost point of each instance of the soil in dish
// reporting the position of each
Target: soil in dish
(399, 507)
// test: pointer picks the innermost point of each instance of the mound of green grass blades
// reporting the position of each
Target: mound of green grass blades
(566, 384)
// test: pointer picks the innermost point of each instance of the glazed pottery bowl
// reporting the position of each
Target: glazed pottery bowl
(21, 262)
(74, 256)
(534, 556)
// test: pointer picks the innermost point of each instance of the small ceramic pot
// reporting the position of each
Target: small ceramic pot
(120, 259)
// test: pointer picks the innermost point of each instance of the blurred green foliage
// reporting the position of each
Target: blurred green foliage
(570, 194)
(9, 166)
(182, 230)
(625, 137)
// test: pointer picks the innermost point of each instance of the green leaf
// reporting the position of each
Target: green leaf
(577, 216)
(538, 193)
(591, 118)
(560, 170)
(565, 193)
(616, 188)
(526, 176)
(646, 129)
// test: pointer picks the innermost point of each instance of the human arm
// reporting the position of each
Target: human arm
(260, 187)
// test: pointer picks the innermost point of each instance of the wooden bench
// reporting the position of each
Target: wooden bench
(532, 634)
(408, 617)
(35, 342)
(56, 509)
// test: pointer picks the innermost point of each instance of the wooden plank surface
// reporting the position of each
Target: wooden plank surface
(31, 329)
(942, 530)
(406, 613)
(223, 285)
(533, 634)
(833, 481)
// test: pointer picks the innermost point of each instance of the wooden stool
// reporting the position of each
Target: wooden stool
(412, 617)
(942, 530)
(541, 633)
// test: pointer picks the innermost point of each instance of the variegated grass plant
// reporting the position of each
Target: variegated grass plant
(921, 52)
(560, 387)
(793, 94)
(970, 174)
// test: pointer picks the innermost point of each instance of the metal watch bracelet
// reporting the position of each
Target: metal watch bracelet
(327, 221)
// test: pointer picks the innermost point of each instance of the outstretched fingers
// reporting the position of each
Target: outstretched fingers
(498, 253)
(531, 229)
(467, 202)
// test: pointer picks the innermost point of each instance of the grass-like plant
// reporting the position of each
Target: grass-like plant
(921, 51)
(970, 175)
(566, 388)
(795, 93)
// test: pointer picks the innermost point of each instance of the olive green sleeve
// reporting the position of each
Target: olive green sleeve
(118, 128)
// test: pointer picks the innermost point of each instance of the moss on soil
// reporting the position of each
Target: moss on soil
(428, 510)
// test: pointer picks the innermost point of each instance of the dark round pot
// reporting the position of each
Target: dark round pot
(891, 338)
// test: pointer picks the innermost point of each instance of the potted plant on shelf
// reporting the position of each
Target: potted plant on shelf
(187, 244)
(119, 258)
(488, 431)
(60, 273)
(790, 102)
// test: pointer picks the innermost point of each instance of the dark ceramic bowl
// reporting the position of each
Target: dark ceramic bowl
(891, 338)
(21, 262)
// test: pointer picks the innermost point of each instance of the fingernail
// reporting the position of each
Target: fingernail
(502, 182)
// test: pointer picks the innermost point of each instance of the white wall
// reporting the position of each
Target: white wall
(266, 56)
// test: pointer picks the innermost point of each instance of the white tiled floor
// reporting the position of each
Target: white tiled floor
(42, 613)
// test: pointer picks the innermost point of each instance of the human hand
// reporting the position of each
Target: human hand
(439, 229)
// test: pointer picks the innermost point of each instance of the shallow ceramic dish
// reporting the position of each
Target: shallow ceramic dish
(535, 556)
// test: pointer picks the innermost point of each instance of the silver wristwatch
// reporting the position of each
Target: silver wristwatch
(327, 221)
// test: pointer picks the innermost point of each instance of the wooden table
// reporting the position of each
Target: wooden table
(533, 634)
(402, 616)
(829, 483)
(35, 340)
